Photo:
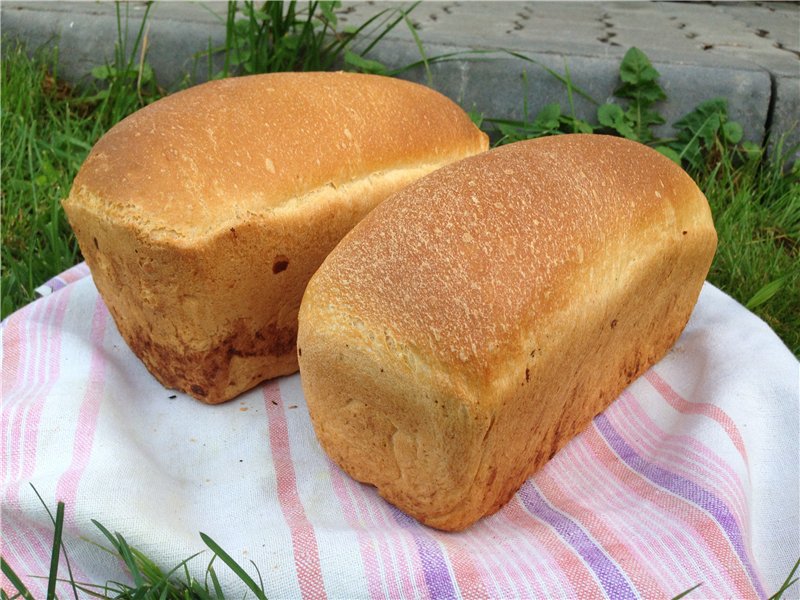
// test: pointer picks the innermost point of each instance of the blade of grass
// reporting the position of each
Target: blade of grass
(57, 536)
(570, 100)
(54, 557)
(230, 38)
(460, 55)
(694, 137)
(233, 566)
(420, 48)
(14, 579)
(786, 584)
(214, 580)
(687, 592)
(314, 37)
(386, 28)
(141, 66)
(258, 572)
(121, 546)
(556, 74)
(766, 292)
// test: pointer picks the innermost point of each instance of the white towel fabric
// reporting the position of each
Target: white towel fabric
(691, 476)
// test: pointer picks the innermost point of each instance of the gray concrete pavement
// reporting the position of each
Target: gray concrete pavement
(747, 52)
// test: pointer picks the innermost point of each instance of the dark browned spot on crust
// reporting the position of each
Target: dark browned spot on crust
(492, 475)
(685, 232)
(613, 323)
(199, 390)
(527, 375)
(281, 340)
(271, 339)
(96, 245)
(280, 264)
(299, 351)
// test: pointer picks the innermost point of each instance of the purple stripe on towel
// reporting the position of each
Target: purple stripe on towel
(605, 569)
(684, 488)
(434, 565)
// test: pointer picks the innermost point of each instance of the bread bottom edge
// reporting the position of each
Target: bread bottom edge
(218, 374)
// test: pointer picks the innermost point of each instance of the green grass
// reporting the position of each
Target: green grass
(47, 130)
(45, 138)
(148, 581)
(756, 208)
(282, 36)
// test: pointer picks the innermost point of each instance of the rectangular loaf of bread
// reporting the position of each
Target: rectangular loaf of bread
(203, 215)
(477, 320)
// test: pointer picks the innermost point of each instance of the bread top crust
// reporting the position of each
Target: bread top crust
(469, 260)
(202, 160)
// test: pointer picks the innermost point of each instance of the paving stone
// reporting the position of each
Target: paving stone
(87, 32)
(786, 112)
(744, 51)
(777, 21)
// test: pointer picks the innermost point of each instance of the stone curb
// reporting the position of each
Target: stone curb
(744, 52)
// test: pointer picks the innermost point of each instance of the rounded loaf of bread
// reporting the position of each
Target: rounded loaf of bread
(477, 320)
(203, 215)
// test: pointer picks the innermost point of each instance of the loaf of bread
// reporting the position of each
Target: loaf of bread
(203, 215)
(477, 320)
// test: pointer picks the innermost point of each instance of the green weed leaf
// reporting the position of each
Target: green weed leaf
(327, 9)
(669, 153)
(548, 117)
(733, 132)
(578, 125)
(702, 117)
(476, 117)
(640, 87)
(364, 65)
(639, 80)
(609, 114)
(103, 72)
(147, 73)
(613, 117)
(636, 69)
(698, 129)
(751, 149)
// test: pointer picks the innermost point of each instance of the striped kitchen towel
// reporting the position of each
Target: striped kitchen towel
(690, 477)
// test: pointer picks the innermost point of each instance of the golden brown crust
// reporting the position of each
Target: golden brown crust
(203, 216)
(204, 159)
(498, 305)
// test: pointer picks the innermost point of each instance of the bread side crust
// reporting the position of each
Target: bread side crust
(449, 455)
(195, 313)
(604, 317)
